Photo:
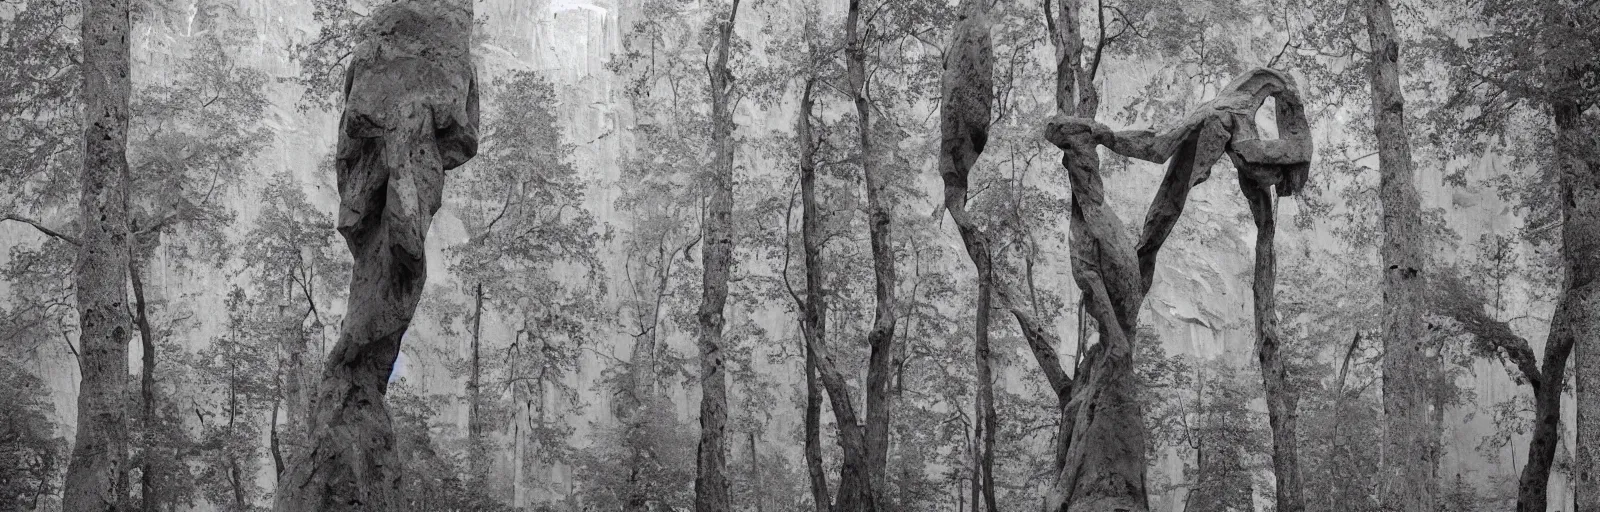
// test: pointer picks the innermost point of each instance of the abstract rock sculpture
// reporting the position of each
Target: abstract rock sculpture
(411, 113)
(1103, 468)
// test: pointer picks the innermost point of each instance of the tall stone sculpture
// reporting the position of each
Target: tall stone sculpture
(411, 113)
(1103, 465)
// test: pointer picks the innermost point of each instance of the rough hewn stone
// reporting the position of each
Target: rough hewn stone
(411, 113)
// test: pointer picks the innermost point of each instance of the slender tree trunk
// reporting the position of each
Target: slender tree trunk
(147, 387)
(865, 447)
(855, 486)
(1580, 236)
(411, 113)
(881, 338)
(755, 471)
(1408, 465)
(296, 387)
(479, 451)
(274, 444)
(1533, 487)
(235, 476)
(96, 477)
(711, 477)
(966, 105)
(814, 311)
(1074, 92)
(1281, 397)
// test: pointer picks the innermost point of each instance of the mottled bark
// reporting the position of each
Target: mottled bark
(711, 470)
(1408, 461)
(865, 445)
(881, 338)
(966, 106)
(411, 113)
(96, 477)
(1580, 238)
(1074, 92)
(296, 388)
(289, 386)
(814, 310)
(1103, 468)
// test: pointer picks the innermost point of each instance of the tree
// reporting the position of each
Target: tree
(1409, 461)
(711, 479)
(1496, 338)
(290, 247)
(194, 137)
(97, 475)
(1523, 82)
(966, 102)
(813, 308)
(237, 370)
(30, 453)
(521, 203)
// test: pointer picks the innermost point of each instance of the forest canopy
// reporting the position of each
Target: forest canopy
(840, 256)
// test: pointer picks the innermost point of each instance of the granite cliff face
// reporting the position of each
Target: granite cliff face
(1199, 305)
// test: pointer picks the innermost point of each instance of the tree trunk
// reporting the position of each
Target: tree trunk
(856, 493)
(881, 338)
(1074, 92)
(1580, 237)
(814, 311)
(147, 386)
(1281, 397)
(479, 455)
(1533, 487)
(1409, 460)
(755, 470)
(866, 446)
(966, 105)
(711, 476)
(1104, 462)
(411, 113)
(235, 476)
(96, 476)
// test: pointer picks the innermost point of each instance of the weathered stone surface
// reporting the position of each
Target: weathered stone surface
(411, 113)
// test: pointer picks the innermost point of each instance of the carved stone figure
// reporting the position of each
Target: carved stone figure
(411, 113)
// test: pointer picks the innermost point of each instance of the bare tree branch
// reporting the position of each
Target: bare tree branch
(42, 228)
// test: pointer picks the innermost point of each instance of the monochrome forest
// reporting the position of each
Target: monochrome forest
(800, 255)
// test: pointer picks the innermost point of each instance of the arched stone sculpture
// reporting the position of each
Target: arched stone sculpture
(411, 113)
(1103, 468)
